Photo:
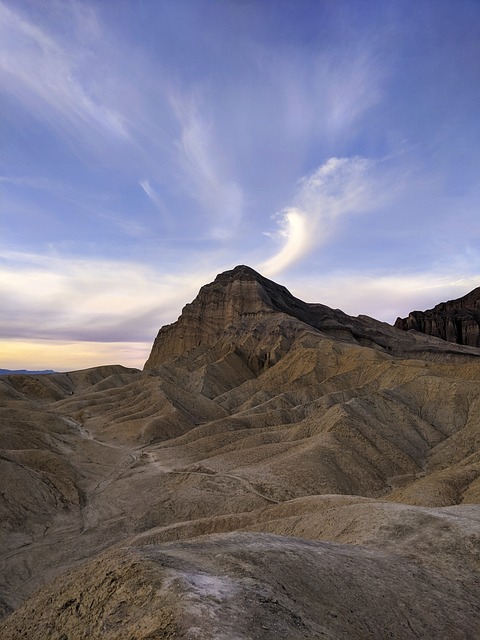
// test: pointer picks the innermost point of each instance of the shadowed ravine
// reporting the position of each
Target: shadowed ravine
(279, 469)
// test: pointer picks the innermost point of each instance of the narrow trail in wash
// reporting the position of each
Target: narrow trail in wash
(117, 483)
(213, 475)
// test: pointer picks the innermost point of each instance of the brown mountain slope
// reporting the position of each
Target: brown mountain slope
(271, 416)
(455, 321)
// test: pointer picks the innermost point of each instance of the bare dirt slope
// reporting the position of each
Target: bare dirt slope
(324, 469)
(254, 586)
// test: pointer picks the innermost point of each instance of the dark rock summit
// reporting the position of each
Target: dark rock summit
(454, 321)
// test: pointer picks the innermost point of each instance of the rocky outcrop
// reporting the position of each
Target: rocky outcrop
(454, 321)
(234, 296)
(239, 298)
(248, 587)
(241, 302)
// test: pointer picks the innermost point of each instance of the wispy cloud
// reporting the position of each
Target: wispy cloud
(88, 300)
(127, 226)
(384, 296)
(202, 162)
(151, 193)
(309, 95)
(46, 75)
(157, 200)
(350, 84)
(338, 187)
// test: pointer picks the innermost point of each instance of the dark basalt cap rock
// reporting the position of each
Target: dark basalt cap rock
(240, 272)
(454, 321)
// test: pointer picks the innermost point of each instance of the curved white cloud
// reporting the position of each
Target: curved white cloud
(295, 231)
(339, 186)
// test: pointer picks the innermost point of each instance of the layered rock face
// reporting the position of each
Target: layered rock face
(454, 321)
(234, 296)
(241, 302)
(238, 298)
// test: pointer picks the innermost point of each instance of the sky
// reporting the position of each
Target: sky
(147, 145)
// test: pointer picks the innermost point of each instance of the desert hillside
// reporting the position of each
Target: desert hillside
(279, 469)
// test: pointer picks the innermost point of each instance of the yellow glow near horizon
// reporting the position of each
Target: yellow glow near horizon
(69, 356)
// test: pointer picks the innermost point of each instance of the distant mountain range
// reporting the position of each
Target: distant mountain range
(6, 372)
(279, 469)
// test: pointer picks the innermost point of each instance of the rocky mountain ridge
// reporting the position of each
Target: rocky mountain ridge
(455, 321)
(240, 299)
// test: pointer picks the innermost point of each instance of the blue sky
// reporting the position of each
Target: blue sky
(334, 145)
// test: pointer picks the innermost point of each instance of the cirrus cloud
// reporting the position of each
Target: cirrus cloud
(44, 74)
(338, 187)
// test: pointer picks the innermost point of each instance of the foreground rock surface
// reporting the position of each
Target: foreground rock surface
(285, 471)
(247, 586)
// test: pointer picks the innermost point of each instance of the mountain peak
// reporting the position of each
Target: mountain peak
(238, 295)
(245, 301)
(244, 273)
(242, 302)
(240, 272)
(272, 294)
